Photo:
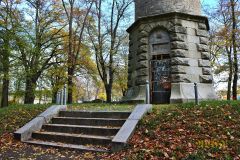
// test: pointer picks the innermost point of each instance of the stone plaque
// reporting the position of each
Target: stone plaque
(160, 48)
(159, 42)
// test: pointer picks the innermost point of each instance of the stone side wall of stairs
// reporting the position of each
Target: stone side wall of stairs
(85, 130)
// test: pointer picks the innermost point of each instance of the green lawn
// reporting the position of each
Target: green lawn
(102, 107)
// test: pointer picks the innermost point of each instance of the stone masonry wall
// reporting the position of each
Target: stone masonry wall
(189, 52)
(146, 8)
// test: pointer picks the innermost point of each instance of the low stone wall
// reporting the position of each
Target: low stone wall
(126, 131)
(25, 132)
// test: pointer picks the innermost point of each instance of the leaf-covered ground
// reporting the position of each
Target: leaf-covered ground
(208, 131)
(15, 116)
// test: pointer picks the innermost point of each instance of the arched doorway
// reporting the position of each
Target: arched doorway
(160, 70)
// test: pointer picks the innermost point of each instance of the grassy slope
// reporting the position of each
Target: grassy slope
(169, 132)
(13, 117)
(102, 107)
(208, 131)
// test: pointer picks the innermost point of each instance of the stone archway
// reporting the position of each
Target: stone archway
(160, 68)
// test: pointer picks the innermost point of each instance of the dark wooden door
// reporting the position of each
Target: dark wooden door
(160, 81)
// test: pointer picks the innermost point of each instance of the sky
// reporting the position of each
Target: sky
(211, 3)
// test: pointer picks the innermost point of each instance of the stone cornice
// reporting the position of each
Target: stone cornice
(168, 16)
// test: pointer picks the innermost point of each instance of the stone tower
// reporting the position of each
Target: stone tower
(169, 48)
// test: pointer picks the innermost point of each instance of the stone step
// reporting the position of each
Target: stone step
(77, 139)
(89, 121)
(77, 129)
(68, 146)
(102, 114)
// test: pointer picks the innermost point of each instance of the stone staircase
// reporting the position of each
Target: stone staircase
(83, 130)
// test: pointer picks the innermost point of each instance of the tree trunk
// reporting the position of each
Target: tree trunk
(29, 91)
(54, 97)
(5, 90)
(96, 94)
(108, 89)
(70, 85)
(5, 85)
(70, 56)
(230, 75)
(234, 45)
(229, 86)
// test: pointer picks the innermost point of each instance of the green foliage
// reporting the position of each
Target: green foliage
(15, 116)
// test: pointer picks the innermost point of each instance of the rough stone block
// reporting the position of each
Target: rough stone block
(178, 53)
(180, 61)
(177, 22)
(205, 55)
(141, 28)
(193, 70)
(152, 25)
(204, 63)
(202, 26)
(206, 71)
(180, 29)
(179, 45)
(190, 24)
(194, 54)
(178, 70)
(204, 40)
(206, 79)
(176, 78)
(202, 33)
(142, 64)
(142, 49)
(141, 80)
(147, 28)
(202, 48)
(178, 37)
(142, 57)
(191, 31)
(193, 62)
(193, 39)
(142, 72)
(143, 41)
(143, 34)
(161, 23)
(192, 46)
